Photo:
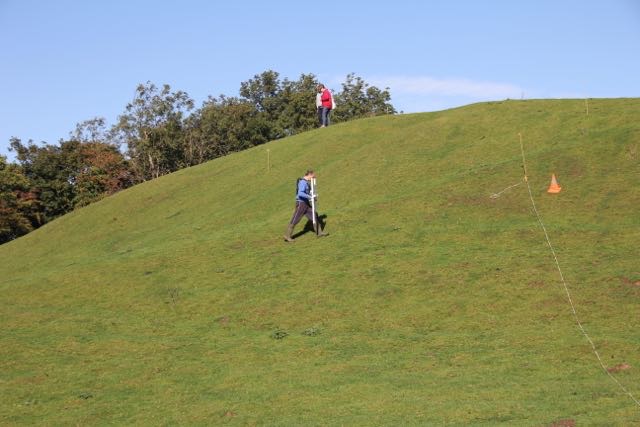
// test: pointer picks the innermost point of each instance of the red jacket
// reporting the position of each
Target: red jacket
(326, 99)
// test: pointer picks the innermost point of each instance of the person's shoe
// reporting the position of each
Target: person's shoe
(287, 236)
(319, 231)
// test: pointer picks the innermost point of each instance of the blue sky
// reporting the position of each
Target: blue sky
(62, 62)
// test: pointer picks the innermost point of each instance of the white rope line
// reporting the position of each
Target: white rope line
(496, 195)
(564, 283)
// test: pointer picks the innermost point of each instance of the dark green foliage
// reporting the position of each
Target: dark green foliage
(152, 129)
(50, 169)
(57, 178)
(221, 126)
(357, 99)
(298, 112)
(18, 204)
(288, 107)
(101, 171)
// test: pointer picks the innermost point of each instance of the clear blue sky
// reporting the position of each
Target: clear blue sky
(66, 61)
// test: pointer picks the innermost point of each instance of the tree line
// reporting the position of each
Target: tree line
(160, 132)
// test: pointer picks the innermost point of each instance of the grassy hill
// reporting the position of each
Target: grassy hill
(177, 301)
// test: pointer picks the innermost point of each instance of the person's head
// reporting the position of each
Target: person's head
(320, 87)
(309, 174)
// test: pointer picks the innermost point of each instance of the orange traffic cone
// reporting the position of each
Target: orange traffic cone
(554, 187)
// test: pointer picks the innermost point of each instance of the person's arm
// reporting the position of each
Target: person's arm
(302, 190)
(326, 95)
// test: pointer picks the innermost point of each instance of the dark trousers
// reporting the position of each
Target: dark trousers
(325, 116)
(319, 115)
(302, 209)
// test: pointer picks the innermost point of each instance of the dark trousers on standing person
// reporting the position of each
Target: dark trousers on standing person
(325, 116)
(303, 209)
(319, 115)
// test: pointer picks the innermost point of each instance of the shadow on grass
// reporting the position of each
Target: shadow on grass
(308, 227)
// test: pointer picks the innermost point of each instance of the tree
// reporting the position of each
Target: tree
(50, 169)
(101, 171)
(18, 203)
(152, 131)
(264, 92)
(357, 99)
(283, 108)
(72, 174)
(299, 107)
(92, 130)
(223, 125)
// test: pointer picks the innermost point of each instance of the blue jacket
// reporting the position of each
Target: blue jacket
(304, 191)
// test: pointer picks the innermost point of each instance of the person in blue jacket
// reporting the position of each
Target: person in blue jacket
(303, 206)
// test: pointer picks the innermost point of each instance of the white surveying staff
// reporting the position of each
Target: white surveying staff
(313, 203)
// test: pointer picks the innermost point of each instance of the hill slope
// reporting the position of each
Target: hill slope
(177, 301)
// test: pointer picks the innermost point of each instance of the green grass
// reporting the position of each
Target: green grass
(177, 302)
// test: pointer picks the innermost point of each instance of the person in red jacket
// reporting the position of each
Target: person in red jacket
(327, 104)
(319, 103)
